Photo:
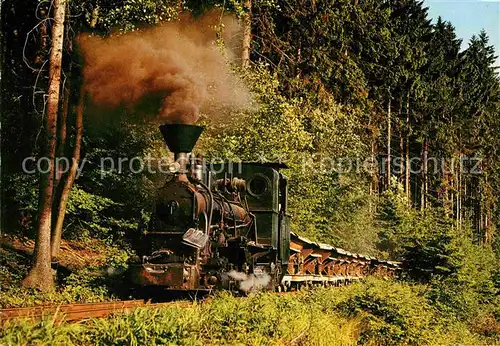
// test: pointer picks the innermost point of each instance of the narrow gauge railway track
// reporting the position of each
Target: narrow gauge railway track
(77, 312)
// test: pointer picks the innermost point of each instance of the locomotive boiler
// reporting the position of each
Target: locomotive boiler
(227, 226)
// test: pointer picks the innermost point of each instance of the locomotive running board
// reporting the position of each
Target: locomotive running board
(195, 238)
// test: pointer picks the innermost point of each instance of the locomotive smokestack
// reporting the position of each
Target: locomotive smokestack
(181, 139)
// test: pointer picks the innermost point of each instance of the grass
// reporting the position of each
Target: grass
(371, 313)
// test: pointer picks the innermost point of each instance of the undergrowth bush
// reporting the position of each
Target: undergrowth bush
(462, 275)
(76, 282)
(84, 286)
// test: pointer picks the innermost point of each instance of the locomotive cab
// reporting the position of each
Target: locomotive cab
(266, 198)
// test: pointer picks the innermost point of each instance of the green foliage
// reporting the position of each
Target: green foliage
(394, 314)
(473, 289)
(21, 197)
(124, 16)
(13, 267)
(463, 275)
(112, 197)
(424, 240)
(321, 85)
(82, 202)
(87, 209)
(24, 191)
(391, 313)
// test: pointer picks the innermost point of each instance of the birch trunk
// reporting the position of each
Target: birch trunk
(247, 34)
(40, 274)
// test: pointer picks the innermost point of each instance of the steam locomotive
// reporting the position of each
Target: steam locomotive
(228, 227)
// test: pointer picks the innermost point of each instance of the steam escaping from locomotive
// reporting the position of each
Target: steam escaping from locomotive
(250, 282)
(178, 62)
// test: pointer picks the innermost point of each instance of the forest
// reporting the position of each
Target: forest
(390, 130)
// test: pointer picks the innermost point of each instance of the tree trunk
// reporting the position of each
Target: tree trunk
(61, 212)
(62, 129)
(486, 215)
(40, 274)
(488, 233)
(389, 134)
(447, 189)
(423, 174)
(477, 192)
(451, 193)
(60, 151)
(247, 34)
(459, 192)
(374, 184)
(426, 172)
(375, 181)
(401, 156)
(464, 201)
(407, 154)
(95, 15)
(3, 49)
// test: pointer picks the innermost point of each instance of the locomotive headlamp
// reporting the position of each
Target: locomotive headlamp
(174, 167)
(258, 185)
